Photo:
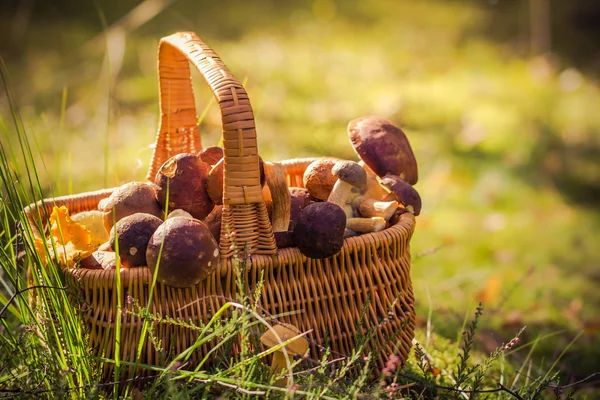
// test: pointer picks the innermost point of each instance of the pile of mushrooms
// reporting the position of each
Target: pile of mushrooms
(343, 198)
(175, 221)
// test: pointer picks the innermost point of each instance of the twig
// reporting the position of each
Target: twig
(232, 386)
(18, 292)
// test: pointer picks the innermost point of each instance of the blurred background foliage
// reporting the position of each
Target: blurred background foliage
(498, 98)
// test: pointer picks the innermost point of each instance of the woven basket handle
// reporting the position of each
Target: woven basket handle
(178, 131)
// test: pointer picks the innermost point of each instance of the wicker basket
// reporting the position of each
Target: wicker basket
(366, 285)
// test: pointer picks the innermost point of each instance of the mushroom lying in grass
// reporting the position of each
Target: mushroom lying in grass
(320, 231)
(131, 198)
(182, 178)
(184, 251)
(383, 147)
(131, 236)
(404, 193)
(297, 347)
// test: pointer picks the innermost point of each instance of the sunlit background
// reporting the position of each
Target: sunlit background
(499, 99)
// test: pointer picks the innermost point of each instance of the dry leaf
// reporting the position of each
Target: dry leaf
(490, 294)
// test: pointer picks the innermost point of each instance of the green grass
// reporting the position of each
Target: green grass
(506, 144)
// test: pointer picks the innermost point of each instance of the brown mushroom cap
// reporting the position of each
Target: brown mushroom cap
(211, 155)
(404, 192)
(189, 252)
(133, 233)
(285, 332)
(383, 147)
(320, 231)
(128, 199)
(318, 179)
(183, 178)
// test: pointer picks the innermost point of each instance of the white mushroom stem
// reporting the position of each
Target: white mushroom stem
(365, 225)
(340, 192)
(275, 177)
(349, 210)
(372, 208)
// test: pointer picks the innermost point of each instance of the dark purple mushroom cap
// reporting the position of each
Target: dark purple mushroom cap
(299, 199)
(383, 147)
(189, 252)
(184, 177)
(404, 192)
(211, 155)
(320, 231)
(284, 239)
(128, 199)
(133, 234)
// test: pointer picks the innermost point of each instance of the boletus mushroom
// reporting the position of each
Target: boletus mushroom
(319, 233)
(299, 199)
(211, 155)
(350, 175)
(282, 334)
(404, 193)
(183, 179)
(183, 250)
(383, 147)
(132, 235)
(318, 178)
(128, 199)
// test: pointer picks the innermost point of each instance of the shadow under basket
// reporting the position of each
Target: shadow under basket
(363, 291)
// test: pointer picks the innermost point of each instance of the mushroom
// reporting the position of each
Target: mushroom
(383, 147)
(367, 207)
(183, 179)
(299, 199)
(179, 213)
(100, 260)
(214, 185)
(93, 221)
(280, 196)
(128, 199)
(278, 335)
(374, 189)
(319, 232)
(365, 225)
(349, 175)
(211, 155)
(318, 178)
(404, 192)
(131, 235)
(184, 251)
(213, 221)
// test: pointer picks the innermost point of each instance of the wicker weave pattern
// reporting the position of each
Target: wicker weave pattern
(364, 288)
